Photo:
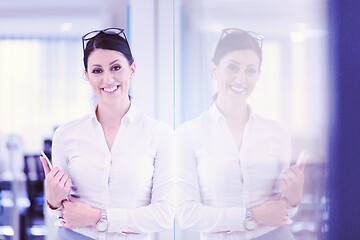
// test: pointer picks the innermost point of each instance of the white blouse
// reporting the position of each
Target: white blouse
(217, 182)
(133, 181)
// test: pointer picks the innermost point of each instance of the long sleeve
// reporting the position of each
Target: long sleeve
(285, 158)
(58, 159)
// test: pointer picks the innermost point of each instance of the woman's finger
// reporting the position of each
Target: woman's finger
(297, 170)
(71, 199)
(67, 225)
(67, 184)
(63, 180)
(276, 197)
(53, 172)
(288, 178)
(58, 176)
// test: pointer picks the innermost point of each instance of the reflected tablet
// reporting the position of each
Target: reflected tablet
(303, 156)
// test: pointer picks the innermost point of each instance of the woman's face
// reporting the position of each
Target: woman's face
(236, 74)
(109, 75)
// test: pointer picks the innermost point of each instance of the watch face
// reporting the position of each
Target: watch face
(250, 224)
(102, 226)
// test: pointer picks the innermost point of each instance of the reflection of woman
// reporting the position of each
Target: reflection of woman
(117, 158)
(233, 163)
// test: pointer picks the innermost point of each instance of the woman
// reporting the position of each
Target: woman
(113, 163)
(233, 165)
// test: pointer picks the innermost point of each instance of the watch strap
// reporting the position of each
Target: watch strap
(248, 214)
(103, 214)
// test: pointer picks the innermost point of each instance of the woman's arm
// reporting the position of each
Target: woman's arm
(57, 181)
(192, 214)
(292, 184)
(156, 216)
(292, 179)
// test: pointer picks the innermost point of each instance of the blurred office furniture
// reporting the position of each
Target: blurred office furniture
(310, 223)
(32, 218)
(12, 190)
(47, 147)
(21, 191)
(6, 230)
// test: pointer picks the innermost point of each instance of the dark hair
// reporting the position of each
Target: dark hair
(238, 40)
(110, 42)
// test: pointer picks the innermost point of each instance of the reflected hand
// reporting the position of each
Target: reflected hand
(292, 185)
(271, 213)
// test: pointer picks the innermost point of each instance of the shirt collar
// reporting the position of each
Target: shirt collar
(128, 117)
(93, 112)
(216, 114)
(131, 113)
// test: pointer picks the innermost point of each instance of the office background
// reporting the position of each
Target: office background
(42, 83)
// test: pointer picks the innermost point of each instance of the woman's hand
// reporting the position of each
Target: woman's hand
(292, 184)
(271, 213)
(57, 185)
(78, 214)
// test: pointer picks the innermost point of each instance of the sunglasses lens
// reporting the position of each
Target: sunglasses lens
(113, 31)
(90, 35)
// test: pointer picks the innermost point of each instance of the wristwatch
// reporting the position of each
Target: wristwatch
(102, 224)
(250, 223)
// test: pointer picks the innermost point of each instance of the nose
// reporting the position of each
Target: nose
(108, 78)
(240, 77)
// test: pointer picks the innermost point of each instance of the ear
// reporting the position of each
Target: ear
(132, 70)
(86, 75)
(213, 70)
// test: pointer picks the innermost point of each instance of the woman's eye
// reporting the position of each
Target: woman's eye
(96, 71)
(232, 67)
(251, 71)
(116, 68)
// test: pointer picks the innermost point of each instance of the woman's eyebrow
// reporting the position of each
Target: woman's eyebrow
(234, 61)
(111, 63)
(237, 63)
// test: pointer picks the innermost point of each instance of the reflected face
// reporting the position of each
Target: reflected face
(109, 75)
(236, 74)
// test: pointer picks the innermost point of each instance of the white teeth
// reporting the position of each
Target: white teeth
(110, 89)
(237, 89)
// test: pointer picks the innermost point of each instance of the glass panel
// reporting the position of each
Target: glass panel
(291, 90)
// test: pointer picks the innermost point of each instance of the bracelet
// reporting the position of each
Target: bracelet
(53, 208)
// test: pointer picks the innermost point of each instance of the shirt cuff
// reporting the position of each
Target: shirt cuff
(292, 211)
(117, 219)
(55, 214)
(233, 220)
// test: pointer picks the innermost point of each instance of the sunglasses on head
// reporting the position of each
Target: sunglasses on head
(110, 31)
(256, 36)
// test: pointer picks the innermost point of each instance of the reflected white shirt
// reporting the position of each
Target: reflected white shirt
(217, 182)
(133, 181)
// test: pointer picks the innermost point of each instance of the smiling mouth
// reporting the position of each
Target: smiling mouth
(236, 89)
(111, 89)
